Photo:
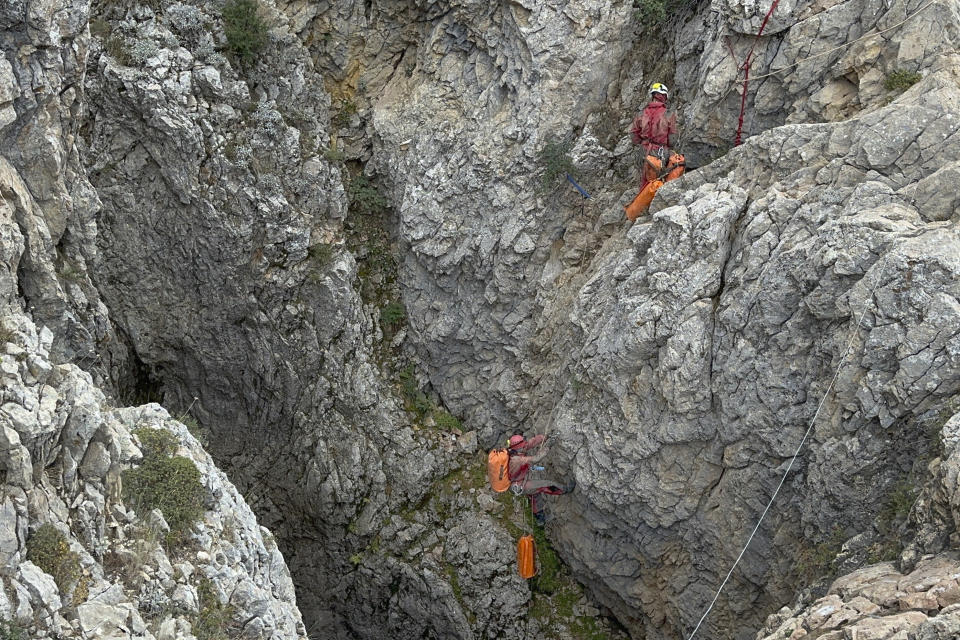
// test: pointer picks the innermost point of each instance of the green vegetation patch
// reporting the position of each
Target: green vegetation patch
(446, 421)
(321, 254)
(547, 580)
(654, 13)
(49, 549)
(415, 400)
(555, 161)
(344, 113)
(364, 196)
(816, 560)
(166, 482)
(11, 631)
(393, 316)
(900, 80)
(333, 153)
(214, 620)
(6, 334)
(246, 33)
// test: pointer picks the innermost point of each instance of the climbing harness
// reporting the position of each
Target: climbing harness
(796, 453)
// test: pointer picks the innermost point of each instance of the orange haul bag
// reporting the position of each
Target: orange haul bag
(677, 166)
(643, 200)
(526, 557)
(498, 470)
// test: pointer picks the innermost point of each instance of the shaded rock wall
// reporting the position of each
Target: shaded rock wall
(223, 258)
(64, 445)
(48, 202)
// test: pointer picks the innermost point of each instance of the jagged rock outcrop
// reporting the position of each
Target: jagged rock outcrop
(106, 571)
(675, 365)
(76, 559)
(880, 601)
(48, 203)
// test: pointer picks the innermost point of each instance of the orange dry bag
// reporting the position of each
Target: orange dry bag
(642, 201)
(676, 165)
(498, 466)
(526, 557)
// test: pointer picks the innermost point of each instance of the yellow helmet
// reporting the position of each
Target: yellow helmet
(657, 87)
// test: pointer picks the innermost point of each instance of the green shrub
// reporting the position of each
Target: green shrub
(817, 560)
(900, 80)
(333, 154)
(157, 443)
(321, 254)
(654, 13)
(415, 400)
(246, 33)
(48, 549)
(6, 334)
(99, 29)
(213, 621)
(165, 482)
(651, 12)
(555, 161)
(548, 580)
(11, 631)
(446, 421)
(344, 113)
(195, 428)
(393, 315)
(117, 48)
(364, 197)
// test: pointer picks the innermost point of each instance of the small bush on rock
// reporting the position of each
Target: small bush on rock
(446, 421)
(48, 549)
(393, 315)
(415, 400)
(900, 80)
(654, 13)
(214, 620)
(165, 482)
(555, 160)
(364, 197)
(246, 33)
(11, 631)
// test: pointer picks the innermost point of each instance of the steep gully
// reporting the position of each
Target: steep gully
(501, 290)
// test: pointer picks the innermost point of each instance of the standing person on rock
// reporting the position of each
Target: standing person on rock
(652, 130)
(520, 466)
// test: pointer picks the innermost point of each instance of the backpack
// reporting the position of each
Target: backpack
(498, 469)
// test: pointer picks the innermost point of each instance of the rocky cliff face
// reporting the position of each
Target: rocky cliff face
(676, 365)
(222, 194)
(81, 556)
(219, 264)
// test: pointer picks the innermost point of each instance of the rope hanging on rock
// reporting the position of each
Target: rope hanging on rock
(783, 479)
(746, 71)
(745, 67)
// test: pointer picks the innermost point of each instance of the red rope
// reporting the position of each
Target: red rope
(746, 72)
(743, 102)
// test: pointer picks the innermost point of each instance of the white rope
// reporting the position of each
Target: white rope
(813, 421)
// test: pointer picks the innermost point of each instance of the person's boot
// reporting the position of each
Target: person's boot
(570, 486)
